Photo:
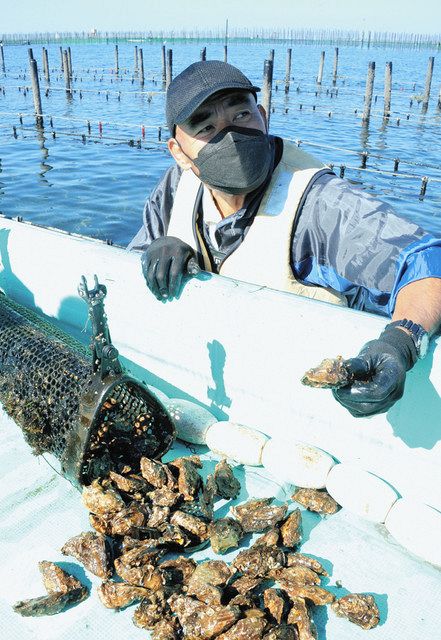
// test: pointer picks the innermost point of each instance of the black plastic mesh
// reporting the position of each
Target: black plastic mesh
(47, 387)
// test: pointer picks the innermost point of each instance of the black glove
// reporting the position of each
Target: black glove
(165, 264)
(379, 373)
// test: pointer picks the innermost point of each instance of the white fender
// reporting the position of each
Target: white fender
(417, 527)
(190, 419)
(236, 441)
(360, 492)
(297, 463)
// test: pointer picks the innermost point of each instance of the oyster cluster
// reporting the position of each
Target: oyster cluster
(331, 373)
(142, 522)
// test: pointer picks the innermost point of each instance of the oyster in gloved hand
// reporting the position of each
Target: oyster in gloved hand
(331, 373)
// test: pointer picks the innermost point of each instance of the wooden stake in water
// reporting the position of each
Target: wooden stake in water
(204, 53)
(288, 70)
(271, 56)
(36, 91)
(387, 89)
(62, 59)
(321, 66)
(267, 88)
(69, 59)
(369, 91)
(66, 72)
(46, 65)
(135, 69)
(438, 106)
(116, 60)
(225, 53)
(334, 73)
(226, 41)
(169, 70)
(164, 65)
(428, 83)
(141, 66)
(2, 58)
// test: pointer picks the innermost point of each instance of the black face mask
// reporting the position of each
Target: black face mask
(236, 161)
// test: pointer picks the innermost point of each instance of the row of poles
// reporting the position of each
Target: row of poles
(267, 88)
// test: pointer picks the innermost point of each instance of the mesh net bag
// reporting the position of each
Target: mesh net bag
(84, 410)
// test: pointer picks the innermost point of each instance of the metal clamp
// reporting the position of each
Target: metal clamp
(105, 355)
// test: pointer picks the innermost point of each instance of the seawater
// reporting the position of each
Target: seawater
(97, 186)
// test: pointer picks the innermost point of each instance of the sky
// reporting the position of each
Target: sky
(29, 16)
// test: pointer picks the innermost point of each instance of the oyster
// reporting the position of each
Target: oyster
(206, 498)
(275, 603)
(296, 574)
(101, 501)
(183, 567)
(215, 572)
(291, 529)
(205, 592)
(128, 519)
(259, 561)
(166, 629)
(133, 485)
(158, 515)
(282, 632)
(299, 617)
(246, 600)
(192, 524)
(51, 604)
(359, 608)
(199, 620)
(117, 595)
(269, 539)
(227, 486)
(157, 474)
(331, 373)
(305, 561)
(163, 497)
(56, 580)
(245, 584)
(225, 534)
(92, 550)
(316, 500)
(189, 480)
(101, 524)
(259, 514)
(150, 611)
(140, 576)
(317, 595)
(245, 629)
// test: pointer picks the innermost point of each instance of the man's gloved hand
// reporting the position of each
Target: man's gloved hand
(380, 373)
(165, 264)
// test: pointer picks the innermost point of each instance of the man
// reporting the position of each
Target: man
(255, 207)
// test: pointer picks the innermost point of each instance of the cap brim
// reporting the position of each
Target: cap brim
(207, 93)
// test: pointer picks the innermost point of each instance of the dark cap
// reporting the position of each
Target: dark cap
(198, 82)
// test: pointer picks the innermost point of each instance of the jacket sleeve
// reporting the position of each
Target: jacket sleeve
(348, 240)
(157, 210)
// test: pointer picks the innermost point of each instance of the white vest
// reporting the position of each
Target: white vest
(264, 256)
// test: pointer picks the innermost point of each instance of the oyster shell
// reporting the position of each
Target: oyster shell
(56, 580)
(157, 474)
(316, 500)
(305, 561)
(101, 501)
(269, 539)
(199, 620)
(207, 496)
(245, 584)
(331, 373)
(275, 603)
(317, 595)
(227, 486)
(189, 480)
(259, 514)
(50, 604)
(166, 629)
(184, 568)
(128, 519)
(259, 561)
(117, 595)
(190, 523)
(296, 574)
(282, 632)
(225, 534)
(359, 608)
(291, 529)
(150, 611)
(245, 629)
(93, 551)
(299, 617)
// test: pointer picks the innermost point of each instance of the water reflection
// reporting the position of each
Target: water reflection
(44, 166)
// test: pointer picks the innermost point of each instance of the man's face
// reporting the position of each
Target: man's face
(222, 110)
